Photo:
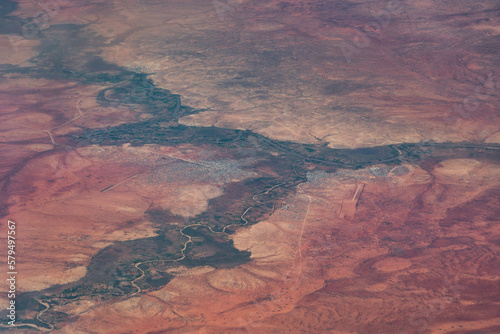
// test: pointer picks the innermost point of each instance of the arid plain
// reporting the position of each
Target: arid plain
(252, 166)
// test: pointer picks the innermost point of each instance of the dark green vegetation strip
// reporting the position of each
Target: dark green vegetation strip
(69, 52)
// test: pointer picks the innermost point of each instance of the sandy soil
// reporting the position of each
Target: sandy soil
(253, 68)
(418, 251)
(398, 270)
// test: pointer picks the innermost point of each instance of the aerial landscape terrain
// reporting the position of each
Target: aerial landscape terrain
(250, 166)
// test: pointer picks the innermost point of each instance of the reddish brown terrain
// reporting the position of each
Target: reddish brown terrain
(251, 166)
